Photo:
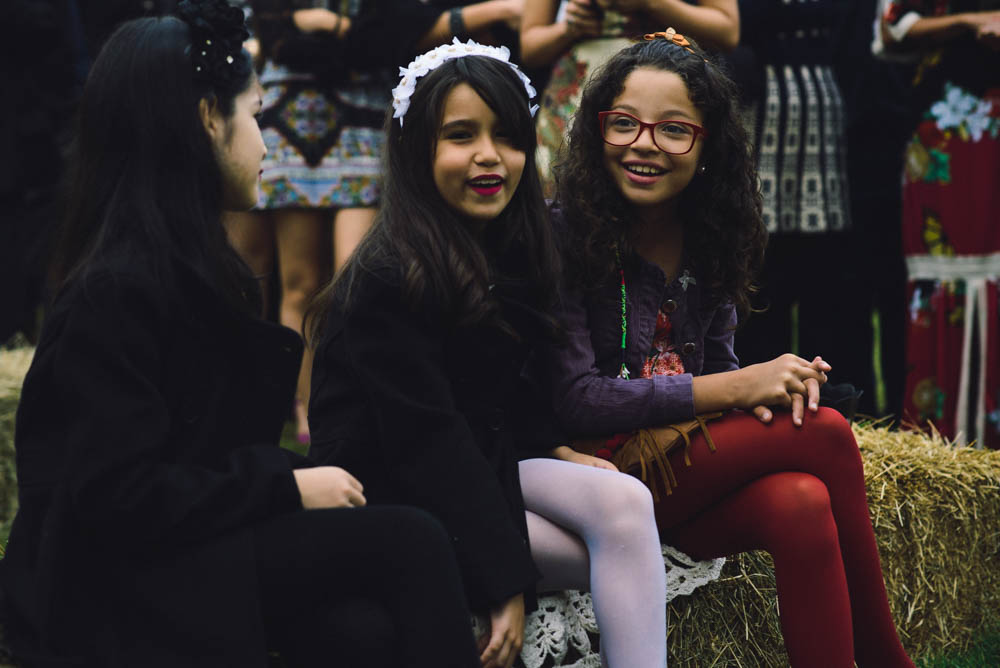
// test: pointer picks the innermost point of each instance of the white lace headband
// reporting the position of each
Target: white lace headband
(424, 63)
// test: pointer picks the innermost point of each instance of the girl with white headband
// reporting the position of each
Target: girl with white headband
(421, 343)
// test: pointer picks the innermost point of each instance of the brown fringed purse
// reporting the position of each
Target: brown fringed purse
(644, 454)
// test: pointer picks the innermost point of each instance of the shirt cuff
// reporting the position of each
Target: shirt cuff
(673, 399)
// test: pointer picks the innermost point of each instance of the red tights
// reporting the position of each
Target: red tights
(799, 493)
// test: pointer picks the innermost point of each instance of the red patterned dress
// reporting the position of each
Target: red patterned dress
(951, 228)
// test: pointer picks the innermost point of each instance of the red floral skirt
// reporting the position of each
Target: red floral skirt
(951, 238)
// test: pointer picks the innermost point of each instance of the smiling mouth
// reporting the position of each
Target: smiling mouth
(644, 170)
(487, 186)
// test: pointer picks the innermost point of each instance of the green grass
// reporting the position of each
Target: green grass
(288, 440)
(984, 654)
(881, 400)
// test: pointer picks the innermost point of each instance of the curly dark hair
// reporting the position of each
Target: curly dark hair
(439, 259)
(724, 232)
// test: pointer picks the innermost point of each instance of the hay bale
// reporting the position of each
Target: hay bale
(730, 622)
(936, 512)
(13, 366)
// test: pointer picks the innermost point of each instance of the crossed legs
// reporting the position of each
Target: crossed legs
(798, 493)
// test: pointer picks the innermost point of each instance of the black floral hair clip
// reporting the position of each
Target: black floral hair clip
(218, 31)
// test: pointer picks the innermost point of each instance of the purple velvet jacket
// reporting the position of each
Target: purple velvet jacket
(588, 397)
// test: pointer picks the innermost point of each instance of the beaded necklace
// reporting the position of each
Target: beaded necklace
(684, 279)
(623, 371)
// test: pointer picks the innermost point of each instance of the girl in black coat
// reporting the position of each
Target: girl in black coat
(159, 523)
(421, 347)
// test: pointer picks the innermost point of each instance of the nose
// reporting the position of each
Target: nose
(261, 144)
(486, 152)
(645, 140)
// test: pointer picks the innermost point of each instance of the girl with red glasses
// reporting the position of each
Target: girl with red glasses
(659, 217)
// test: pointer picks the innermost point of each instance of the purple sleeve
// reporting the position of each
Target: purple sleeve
(589, 403)
(719, 354)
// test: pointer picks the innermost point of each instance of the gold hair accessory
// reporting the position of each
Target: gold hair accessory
(670, 35)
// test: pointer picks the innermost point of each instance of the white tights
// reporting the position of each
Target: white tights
(592, 529)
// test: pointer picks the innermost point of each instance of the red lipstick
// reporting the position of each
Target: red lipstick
(487, 184)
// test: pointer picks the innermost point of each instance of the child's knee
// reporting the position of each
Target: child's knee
(831, 421)
(800, 515)
(828, 430)
(628, 501)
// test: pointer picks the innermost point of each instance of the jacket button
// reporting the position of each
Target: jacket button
(688, 348)
(669, 306)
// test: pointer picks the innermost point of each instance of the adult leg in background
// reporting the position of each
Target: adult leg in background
(252, 235)
(824, 447)
(349, 227)
(301, 237)
(580, 515)
(312, 566)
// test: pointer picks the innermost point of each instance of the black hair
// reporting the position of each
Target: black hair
(724, 232)
(438, 255)
(143, 178)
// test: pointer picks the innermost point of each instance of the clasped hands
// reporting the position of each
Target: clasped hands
(788, 381)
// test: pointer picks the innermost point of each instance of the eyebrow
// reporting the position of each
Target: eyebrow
(461, 122)
(663, 115)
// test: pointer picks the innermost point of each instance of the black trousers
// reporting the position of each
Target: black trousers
(362, 588)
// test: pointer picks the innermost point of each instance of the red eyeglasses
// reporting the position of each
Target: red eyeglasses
(674, 137)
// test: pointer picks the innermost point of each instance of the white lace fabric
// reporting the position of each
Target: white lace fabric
(563, 630)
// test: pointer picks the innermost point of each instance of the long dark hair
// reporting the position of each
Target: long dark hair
(143, 178)
(724, 232)
(438, 257)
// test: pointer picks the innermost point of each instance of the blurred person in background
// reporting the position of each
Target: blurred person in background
(795, 111)
(42, 67)
(950, 210)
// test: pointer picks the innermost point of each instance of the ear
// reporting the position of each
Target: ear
(211, 119)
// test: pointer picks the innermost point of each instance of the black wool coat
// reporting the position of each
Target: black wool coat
(429, 413)
(146, 446)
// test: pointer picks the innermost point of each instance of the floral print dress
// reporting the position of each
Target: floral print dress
(951, 230)
(324, 140)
